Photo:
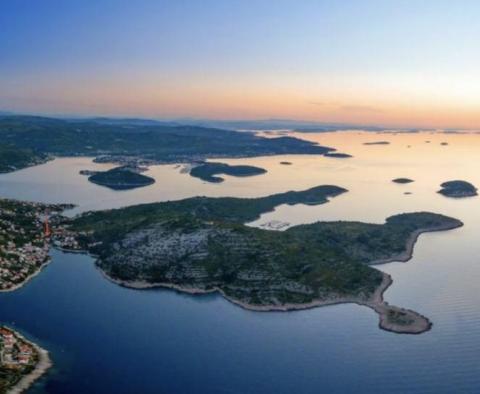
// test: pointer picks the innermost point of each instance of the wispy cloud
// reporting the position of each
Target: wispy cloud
(318, 103)
(347, 107)
(360, 108)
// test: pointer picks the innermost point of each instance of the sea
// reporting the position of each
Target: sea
(104, 338)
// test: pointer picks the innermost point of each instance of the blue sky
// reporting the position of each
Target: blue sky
(393, 62)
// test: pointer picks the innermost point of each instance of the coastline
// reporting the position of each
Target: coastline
(43, 365)
(28, 278)
(417, 322)
(375, 302)
(407, 254)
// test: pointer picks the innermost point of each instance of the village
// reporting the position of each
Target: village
(25, 235)
(15, 352)
(20, 360)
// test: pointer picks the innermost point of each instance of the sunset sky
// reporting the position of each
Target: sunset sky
(394, 63)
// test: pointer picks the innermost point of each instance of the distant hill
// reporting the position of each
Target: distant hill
(301, 126)
(160, 142)
(125, 121)
(269, 124)
(13, 158)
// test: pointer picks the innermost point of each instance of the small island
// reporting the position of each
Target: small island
(201, 245)
(88, 172)
(207, 171)
(286, 163)
(457, 189)
(121, 178)
(377, 143)
(402, 180)
(338, 155)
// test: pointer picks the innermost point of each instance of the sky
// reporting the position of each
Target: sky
(393, 63)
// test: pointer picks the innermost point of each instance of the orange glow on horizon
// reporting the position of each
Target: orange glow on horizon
(365, 101)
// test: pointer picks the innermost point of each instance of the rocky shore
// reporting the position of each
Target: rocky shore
(43, 364)
(392, 318)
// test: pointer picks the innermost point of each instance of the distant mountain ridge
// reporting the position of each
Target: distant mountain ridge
(228, 124)
(147, 140)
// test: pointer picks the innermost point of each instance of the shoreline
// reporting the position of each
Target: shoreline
(43, 365)
(376, 303)
(418, 323)
(407, 254)
(45, 263)
(28, 278)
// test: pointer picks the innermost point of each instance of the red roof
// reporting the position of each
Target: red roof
(5, 332)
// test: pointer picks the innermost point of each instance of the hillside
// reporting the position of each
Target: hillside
(13, 158)
(201, 245)
(158, 142)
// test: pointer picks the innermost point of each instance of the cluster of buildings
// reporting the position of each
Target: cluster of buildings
(14, 351)
(23, 243)
(25, 237)
(20, 263)
(65, 239)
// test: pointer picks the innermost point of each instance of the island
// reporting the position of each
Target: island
(402, 180)
(286, 163)
(88, 172)
(377, 143)
(457, 189)
(207, 171)
(21, 362)
(120, 178)
(202, 245)
(338, 155)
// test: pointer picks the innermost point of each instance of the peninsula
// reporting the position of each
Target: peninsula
(120, 178)
(201, 245)
(208, 171)
(21, 362)
(457, 189)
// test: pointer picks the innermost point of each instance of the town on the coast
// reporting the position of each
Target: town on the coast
(15, 352)
(26, 231)
(24, 239)
(18, 358)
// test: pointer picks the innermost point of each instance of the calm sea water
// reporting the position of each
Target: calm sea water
(104, 338)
